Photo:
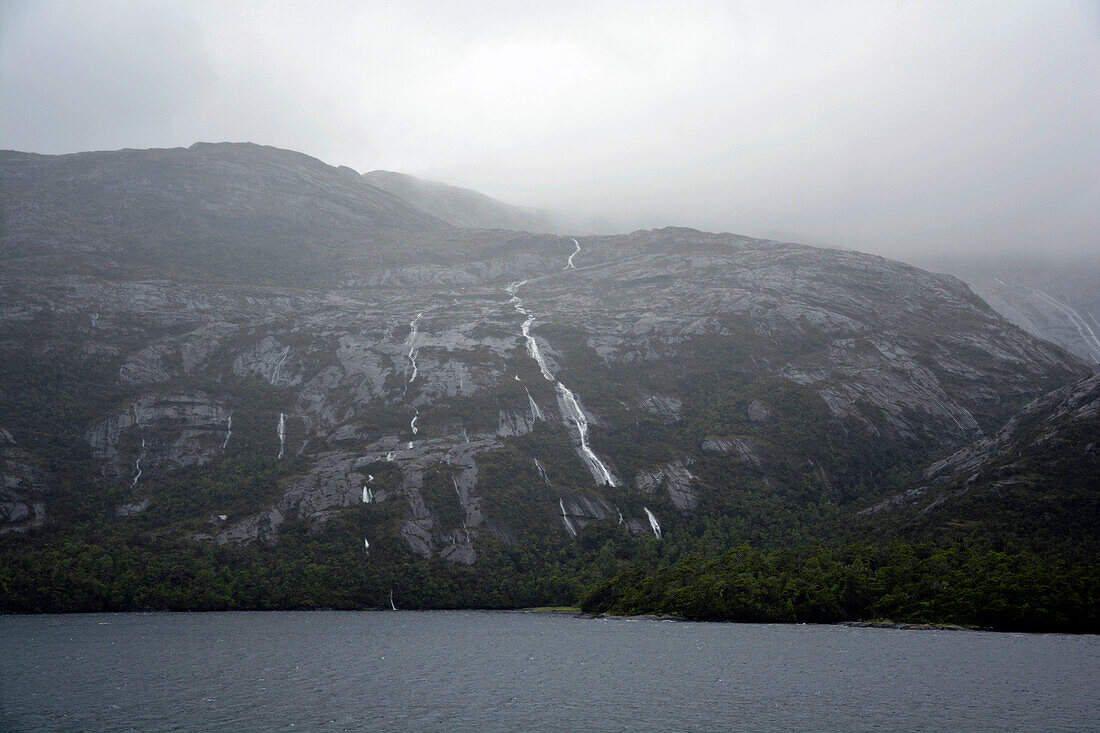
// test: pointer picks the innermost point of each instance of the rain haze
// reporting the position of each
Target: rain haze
(892, 128)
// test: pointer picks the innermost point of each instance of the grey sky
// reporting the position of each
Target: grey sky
(882, 126)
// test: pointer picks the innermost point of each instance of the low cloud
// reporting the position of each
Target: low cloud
(887, 127)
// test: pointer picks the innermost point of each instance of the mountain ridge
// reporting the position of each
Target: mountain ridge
(456, 397)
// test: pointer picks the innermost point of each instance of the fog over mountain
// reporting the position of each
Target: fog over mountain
(779, 312)
(885, 127)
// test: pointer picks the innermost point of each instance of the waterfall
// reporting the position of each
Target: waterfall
(392, 607)
(228, 430)
(542, 472)
(532, 346)
(653, 523)
(576, 414)
(565, 518)
(368, 495)
(572, 409)
(411, 341)
(137, 465)
(278, 365)
(366, 544)
(281, 430)
(412, 424)
(569, 265)
(536, 413)
(389, 456)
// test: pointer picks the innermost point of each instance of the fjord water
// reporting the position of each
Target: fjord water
(460, 670)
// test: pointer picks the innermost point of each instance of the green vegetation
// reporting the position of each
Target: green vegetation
(801, 554)
(958, 584)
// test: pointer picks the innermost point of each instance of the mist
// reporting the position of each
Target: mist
(892, 128)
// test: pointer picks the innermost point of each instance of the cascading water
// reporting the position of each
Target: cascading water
(228, 431)
(392, 607)
(281, 430)
(576, 414)
(137, 465)
(565, 518)
(571, 407)
(535, 411)
(542, 472)
(532, 345)
(411, 341)
(458, 493)
(279, 365)
(653, 523)
(412, 425)
(569, 264)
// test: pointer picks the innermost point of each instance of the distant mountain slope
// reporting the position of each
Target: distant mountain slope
(223, 212)
(1054, 298)
(461, 207)
(1037, 477)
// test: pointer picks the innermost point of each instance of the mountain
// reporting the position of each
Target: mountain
(1000, 534)
(461, 207)
(1035, 478)
(231, 366)
(1057, 299)
(229, 213)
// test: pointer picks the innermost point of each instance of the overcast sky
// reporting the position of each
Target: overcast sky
(884, 126)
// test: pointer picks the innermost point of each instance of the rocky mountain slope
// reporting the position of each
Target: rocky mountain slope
(231, 345)
(1038, 473)
(461, 207)
(210, 213)
(1057, 299)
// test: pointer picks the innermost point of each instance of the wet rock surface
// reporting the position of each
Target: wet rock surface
(718, 343)
(1040, 467)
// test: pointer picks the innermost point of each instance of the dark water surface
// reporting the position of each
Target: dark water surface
(467, 671)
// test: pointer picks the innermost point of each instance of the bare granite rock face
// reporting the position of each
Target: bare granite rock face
(583, 508)
(132, 508)
(743, 448)
(666, 407)
(348, 334)
(22, 486)
(189, 429)
(759, 412)
(676, 478)
(998, 464)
